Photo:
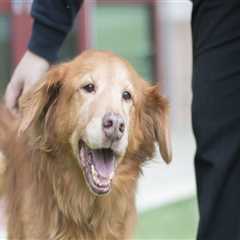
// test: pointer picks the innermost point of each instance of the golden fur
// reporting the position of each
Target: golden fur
(45, 190)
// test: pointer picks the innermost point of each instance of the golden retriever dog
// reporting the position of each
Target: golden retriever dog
(74, 156)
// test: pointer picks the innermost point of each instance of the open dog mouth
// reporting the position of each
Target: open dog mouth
(98, 167)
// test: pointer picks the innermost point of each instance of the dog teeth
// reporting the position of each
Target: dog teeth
(111, 176)
(94, 172)
(95, 175)
(96, 178)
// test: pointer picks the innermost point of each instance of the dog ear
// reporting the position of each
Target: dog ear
(35, 104)
(157, 108)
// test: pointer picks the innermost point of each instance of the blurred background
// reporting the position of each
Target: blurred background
(155, 36)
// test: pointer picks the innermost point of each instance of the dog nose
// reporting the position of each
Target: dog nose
(113, 126)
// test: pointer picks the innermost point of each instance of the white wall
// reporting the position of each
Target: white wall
(176, 56)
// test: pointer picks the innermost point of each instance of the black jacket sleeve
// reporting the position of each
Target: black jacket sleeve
(53, 20)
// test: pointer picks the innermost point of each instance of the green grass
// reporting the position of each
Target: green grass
(171, 222)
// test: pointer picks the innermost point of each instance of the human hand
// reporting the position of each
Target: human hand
(29, 70)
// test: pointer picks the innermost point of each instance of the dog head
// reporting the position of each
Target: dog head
(100, 110)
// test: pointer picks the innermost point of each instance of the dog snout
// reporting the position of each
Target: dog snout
(113, 126)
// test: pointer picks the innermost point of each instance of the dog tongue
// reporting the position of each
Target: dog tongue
(104, 160)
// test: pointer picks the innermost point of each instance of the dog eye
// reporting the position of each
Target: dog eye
(126, 95)
(89, 88)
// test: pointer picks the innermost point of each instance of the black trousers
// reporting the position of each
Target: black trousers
(216, 116)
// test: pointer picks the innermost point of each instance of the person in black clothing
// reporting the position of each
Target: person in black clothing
(216, 98)
(216, 116)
